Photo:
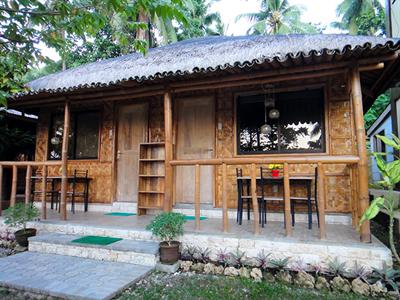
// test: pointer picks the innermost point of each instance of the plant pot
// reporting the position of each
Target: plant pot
(169, 254)
(21, 236)
(275, 173)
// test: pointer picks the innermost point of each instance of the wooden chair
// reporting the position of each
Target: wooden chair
(244, 196)
(78, 177)
(267, 179)
(310, 201)
(37, 177)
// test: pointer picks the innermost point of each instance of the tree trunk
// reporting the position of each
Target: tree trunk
(142, 34)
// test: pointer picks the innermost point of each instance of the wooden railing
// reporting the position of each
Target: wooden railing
(319, 161)
(29, 165)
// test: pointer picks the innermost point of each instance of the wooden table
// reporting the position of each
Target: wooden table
(307, 180)
(55, 179)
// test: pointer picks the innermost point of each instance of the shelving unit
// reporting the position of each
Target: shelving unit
(151, 176)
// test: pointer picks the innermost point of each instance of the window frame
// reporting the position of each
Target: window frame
(324, 123)
(74, 114)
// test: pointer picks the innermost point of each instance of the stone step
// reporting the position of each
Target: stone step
(126, 251)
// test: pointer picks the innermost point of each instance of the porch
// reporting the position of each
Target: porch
(304, 245)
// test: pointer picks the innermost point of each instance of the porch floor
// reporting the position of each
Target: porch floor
(304, 245)
(273, 231)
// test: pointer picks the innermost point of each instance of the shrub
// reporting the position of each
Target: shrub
(20, 214)
(335, 267)
(387, 276)
(167, 226)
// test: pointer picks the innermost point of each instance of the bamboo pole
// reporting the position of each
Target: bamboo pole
(224, 200)
(254, 199)
(44, 182)
(64, 162)
(1, 189)
(356, 96)
(286, 188)
(321, 201)
(340, 159)
(29, 163)
(28, 184)
(14, 186)
(197, 196)
(168, 123)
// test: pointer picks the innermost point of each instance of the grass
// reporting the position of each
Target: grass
(196, 286)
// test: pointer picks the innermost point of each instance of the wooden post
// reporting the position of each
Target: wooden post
(254, 199)
(286, 190)
(356, 96)
(44, 183)
(28, 184)
(197, 196)
(1, 189)
(64, 163)
(14, 186)
(321, 200)
(167, 206)
(224, 199)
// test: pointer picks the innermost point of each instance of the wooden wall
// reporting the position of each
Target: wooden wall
(101, 169)
(340, 141)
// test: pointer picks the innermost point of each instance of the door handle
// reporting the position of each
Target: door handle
(118, 154)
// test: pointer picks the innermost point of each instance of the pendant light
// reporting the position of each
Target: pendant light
(266, 128)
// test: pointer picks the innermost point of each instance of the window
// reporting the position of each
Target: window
(299, 127)
(83, 136)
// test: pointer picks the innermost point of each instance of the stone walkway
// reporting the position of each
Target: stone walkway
(68, 277)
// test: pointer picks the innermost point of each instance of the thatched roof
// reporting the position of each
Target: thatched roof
(211, 54)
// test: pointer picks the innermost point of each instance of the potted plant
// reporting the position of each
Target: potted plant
(275, 169)
(167, 226)
(17, 216)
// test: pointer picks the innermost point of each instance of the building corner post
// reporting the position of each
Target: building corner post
(167, 205)
(363, 202)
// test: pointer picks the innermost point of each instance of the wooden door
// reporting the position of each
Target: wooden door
(132, 130)
(195, 139)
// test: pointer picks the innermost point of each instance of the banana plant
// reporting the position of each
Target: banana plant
(390, 172)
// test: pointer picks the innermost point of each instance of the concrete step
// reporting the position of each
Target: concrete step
(127, 251)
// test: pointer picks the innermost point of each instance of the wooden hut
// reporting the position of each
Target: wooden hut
(170, 128)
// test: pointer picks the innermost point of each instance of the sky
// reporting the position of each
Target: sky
(321, 12)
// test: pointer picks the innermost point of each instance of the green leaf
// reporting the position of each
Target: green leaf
(389, 142)
(373, 209)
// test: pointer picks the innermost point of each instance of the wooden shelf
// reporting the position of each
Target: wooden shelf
(151, 159)
(153, 144)
(150, 207)
(151, 192)
(151, 176)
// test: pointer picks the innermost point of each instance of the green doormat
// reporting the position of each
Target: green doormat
(191, 218)
(120, 214)
(96, 240)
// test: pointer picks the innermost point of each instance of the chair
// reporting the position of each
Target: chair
(243, 196)
(265, 179)
(310, 201)
(36, 186)
(78, 177)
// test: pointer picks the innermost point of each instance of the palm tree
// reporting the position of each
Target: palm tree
(201, 21)
(352, 10)
(278, 17)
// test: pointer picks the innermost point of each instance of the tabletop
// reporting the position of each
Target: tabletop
(278, 178)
